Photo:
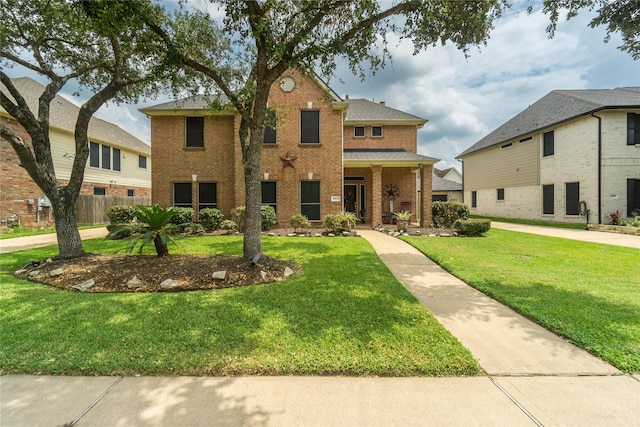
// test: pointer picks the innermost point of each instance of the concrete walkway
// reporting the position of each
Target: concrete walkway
(570, 233)
(534, 378)
(38, 241)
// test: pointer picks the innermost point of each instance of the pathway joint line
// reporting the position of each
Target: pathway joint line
(95, 402)
(515, 402)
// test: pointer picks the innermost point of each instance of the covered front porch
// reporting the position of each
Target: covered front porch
(379, 182)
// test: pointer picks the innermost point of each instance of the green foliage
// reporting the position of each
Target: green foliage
(472, 227)
(228, 224)
(210, 218)
(348, 219)
(445, 214)
(299, 221)
(122, 214)
(403, 216)
(123, 231)
(268, 217)
(156, 227)
(181, 216)
(333, 223)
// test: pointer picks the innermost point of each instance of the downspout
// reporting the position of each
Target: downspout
(599, 167)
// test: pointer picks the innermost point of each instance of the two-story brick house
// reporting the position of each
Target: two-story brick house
(570, 152)
(324, 155)
(119, 163)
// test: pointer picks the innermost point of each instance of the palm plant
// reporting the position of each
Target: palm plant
(155, 227)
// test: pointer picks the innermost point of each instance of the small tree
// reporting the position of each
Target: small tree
(156, 228)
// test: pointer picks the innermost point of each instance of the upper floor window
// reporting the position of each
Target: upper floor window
(633, 129)
(358, 131)
(310, 127)
(94, 155)
(195, 132)
(270, 129)
(376, 131)
(104, 156)
(548, 144)
(116, 159)
(142, 162)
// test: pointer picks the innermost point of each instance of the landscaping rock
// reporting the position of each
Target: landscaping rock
(288, 272)
(34, 273)
(170, 284)
(21, 271)
(331, 235)
(220, 275)
(263, 274)
(445, 235)
(56, 272)
(134, 283)
(85, 286)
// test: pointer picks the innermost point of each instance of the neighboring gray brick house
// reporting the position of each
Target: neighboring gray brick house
(571, 151)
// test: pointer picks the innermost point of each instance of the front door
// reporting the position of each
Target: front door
(351, 198)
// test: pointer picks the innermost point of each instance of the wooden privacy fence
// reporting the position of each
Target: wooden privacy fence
(91, 210)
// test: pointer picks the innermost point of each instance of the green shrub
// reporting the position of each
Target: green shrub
(333, 223)
(299, 221)
(268, 217)
(445, 214)
(227, 224)
(122, 214)
(210, 218)
(472, 227)
(123, 231)
(347, 218)
(181, 216)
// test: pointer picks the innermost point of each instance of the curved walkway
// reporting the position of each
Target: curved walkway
(40, 240)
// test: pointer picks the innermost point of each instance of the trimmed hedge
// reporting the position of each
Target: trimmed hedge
(181, 216)
(122, 214)
(445, 214)
(268, 217)
(472, 227)
(210, 218)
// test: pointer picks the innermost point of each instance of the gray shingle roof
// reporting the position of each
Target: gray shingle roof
(441, 173)
(441, 184)
(557, 107)
(199, 102)
(363, 110)
(389, 154)
(63, 115)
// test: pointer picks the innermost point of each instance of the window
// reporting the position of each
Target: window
(106, 157)
(548, 199)
(500, 193)
(633, 129)
(195, 132)
(270, 131)
(548, 144)
(207, 195)
(439, 198)
(94, 155)
(358, 131)
(474, 199)
(116, 159)
(182, 194)
(142, 162)
(376, 131)
(633, 197)
(309, 127)
(99, 191)
(269, 194)
(310, 199)
(572, 198)
(131, 193)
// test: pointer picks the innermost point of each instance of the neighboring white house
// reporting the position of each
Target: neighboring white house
(119, 163)
(446, 185)
(572, 154)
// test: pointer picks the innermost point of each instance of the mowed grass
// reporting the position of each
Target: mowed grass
(343, 314)
(586, 292)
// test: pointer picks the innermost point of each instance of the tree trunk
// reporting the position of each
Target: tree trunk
(253, 220)
(69, 241)
(161, 245)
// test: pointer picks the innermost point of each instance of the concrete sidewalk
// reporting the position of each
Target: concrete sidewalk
(574, 234)
(38, 241)
(534, 378)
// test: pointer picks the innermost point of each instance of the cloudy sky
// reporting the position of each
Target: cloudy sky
(466, 98)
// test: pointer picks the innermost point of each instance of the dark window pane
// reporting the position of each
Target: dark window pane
(106, 157)
(182, 194)
(99, 191)
(195, 132)
(312, 212)
(474, 199)
(310, 199)
(269, 194)
(142, 162)
(310, 127)
(270, 129)
(633, 197)
(207, 195)
(439, 198)
(376, 131)
(358, 131)
(94, 155)
(633, 129)
(572, 198)
(548, 199)
(548, 144)
(116, 159)
(131, 193)
(500, 193)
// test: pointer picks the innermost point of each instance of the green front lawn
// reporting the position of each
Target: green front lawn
(343, 314)
(587, 292)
